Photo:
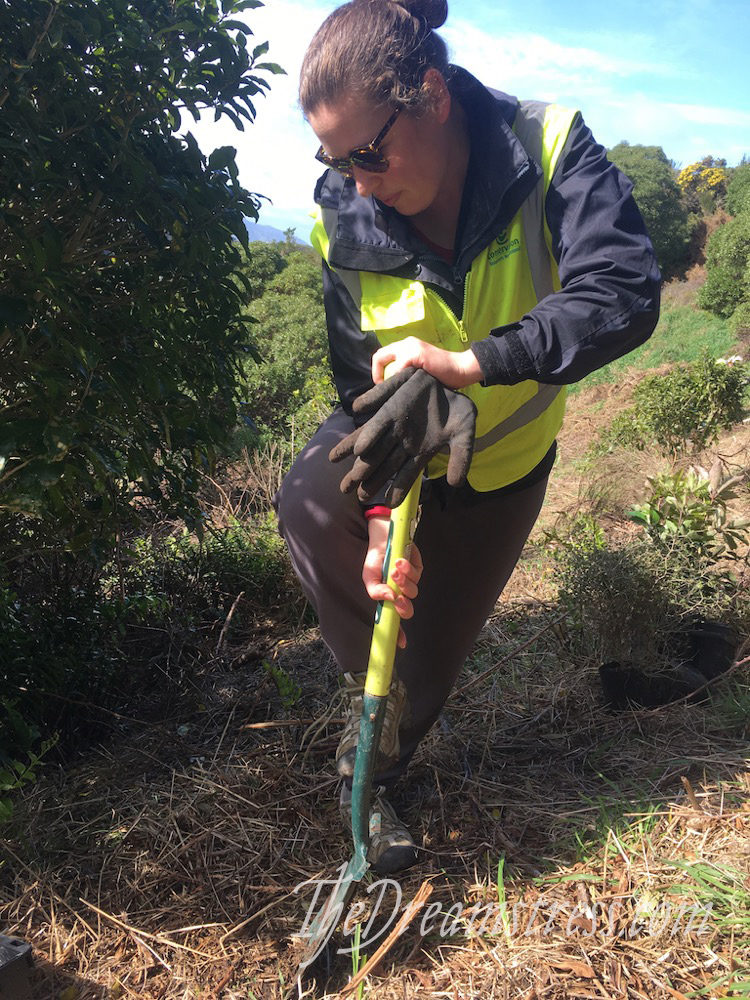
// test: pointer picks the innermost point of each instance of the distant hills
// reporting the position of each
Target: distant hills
(268, 234)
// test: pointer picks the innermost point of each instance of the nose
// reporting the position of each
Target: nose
(366, 181)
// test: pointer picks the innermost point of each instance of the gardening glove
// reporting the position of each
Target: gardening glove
(412, 417)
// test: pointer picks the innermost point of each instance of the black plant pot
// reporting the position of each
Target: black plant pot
(699, 652)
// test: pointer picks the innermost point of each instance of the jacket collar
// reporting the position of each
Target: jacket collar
(373, 237)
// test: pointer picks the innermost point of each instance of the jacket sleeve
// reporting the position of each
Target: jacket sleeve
(609, 300)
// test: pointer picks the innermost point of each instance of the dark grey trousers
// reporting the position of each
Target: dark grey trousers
(469, 552)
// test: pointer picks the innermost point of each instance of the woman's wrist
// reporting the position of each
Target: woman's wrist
(378, 511)
(471, 368)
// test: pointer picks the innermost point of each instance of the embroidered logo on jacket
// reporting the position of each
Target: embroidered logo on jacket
(504, 247)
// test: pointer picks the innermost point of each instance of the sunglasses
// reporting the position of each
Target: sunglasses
(366, 157)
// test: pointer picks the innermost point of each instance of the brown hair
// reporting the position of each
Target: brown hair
(377, 49)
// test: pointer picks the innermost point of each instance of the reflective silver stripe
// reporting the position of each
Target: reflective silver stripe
(349, 279)
(525, 414)
(528, 128)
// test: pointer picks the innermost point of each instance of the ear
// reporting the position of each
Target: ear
(438, 95)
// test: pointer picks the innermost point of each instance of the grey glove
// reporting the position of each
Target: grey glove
(412, 417)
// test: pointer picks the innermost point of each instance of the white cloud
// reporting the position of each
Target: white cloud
(518, 56)
(706, 115)
(609, 89)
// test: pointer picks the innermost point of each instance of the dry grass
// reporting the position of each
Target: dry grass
(164, 864)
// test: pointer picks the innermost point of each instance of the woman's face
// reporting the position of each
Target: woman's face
(417, 150)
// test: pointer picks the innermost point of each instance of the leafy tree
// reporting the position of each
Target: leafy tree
(705, 181)
(290, 332)
(738, 190)
(727, 285)
(122, 336)
(263, 261)
(658, 197)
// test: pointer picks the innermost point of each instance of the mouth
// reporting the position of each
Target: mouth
(391, 201)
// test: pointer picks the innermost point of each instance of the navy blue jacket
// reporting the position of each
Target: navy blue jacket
(609, 301)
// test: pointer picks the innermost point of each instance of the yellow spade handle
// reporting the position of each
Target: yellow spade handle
(385, 633)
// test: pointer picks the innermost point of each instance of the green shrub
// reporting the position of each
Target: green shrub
(659, 199)
(21, 752)
(198, 578)
(683, 512)
(727, 282)
(289, 690)
(738, 190)
(244, 556)
(291, 389)
(740, 321)
(624, 599)
(77, 641)
(686, 408)
(60, 646)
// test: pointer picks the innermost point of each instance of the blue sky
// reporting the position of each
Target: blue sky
(666, 73)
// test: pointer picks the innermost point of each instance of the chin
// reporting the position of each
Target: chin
(389, 202)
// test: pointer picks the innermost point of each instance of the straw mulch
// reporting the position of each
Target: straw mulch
(164, 864)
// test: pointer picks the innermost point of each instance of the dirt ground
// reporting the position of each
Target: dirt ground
(168, 862)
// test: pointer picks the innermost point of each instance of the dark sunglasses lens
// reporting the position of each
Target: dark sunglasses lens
(365, 159)
(341, 166)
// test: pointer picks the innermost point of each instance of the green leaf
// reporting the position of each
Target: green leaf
(55, 33)
(236, 26)
(13, 311)
(222, 157)
(177, 26)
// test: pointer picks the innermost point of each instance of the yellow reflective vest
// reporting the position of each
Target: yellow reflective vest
(516, 424)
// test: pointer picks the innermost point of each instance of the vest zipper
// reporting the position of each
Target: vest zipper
(464, 321)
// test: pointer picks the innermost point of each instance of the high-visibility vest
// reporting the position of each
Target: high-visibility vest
(516, 424)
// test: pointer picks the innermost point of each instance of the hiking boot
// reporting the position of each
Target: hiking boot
(391, 846)
(389, 749)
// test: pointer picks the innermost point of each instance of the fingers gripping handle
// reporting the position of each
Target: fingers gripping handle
(385, 632)
(387, 621)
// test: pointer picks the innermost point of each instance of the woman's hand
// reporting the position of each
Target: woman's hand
(405, 573)
(455, 369)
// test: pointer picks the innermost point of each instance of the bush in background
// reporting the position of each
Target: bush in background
(121, 329)
(738, 190)
(684, 509)
(79, 642)
(290, 390)
(625, 599)
(122, 334)
(706, 182)
(659, 199)
(727, 284)
(684, 409)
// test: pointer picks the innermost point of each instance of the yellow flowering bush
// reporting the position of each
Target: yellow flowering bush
(704, 181)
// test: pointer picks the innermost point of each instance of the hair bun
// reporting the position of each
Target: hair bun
(433, 12)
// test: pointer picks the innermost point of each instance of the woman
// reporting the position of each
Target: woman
(491, 251)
